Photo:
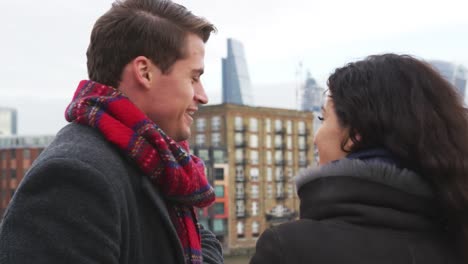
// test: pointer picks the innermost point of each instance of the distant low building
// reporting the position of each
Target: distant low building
(17, 153)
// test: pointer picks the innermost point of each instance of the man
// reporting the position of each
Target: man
(114, 186)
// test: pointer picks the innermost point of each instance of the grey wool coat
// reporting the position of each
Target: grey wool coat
(84, 202)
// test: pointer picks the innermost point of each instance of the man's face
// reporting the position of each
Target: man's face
(175, 96)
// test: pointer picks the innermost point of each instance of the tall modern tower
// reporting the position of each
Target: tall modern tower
(8, 121)
(312, 95)
(237, 88)
(456, 74)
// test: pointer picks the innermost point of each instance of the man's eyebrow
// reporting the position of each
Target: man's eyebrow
(198, 71)
(323, 109)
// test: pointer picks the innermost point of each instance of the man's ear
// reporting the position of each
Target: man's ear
(143, 71)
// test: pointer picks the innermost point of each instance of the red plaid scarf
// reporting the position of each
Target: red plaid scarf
(177, 174)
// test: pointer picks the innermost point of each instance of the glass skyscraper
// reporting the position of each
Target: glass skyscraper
(237, 88)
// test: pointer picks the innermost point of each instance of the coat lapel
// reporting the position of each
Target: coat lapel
(155, 197)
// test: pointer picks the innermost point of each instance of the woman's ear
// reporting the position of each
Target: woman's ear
(350, 143)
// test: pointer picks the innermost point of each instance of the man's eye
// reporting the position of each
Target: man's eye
(320, 118)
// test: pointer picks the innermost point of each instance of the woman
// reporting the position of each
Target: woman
(391, 185)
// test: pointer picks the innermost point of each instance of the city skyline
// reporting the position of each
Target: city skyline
(44, 60)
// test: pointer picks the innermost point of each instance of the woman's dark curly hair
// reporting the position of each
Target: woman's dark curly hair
(402, 104)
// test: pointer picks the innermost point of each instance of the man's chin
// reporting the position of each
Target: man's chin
(183, 135)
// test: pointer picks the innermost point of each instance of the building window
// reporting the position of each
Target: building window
(279, 189)
(219, 174)
(279, 174)
(269, 191)
(218, 156)
(200, 140)
(240, 229)
(255, 229)
(289, 142)
(278, 141)
(218, 225)
(219, 208)
(254, 208)
(302, 142)
(13, 154)
(26, 154)
(290, 191)
(267, 125)
(204, 154)
(215, 123)
(269, 158)
(302, 158)
(240, 190)
(253, 124)
(301, 129)
(201, 124)
(238, 123)
(240, 208)
(239, 171)
(239, 139)
(216, 139)
(289, 157)
(13, 174)
(239, 155)
(289, 127)
(253, 141)
(254, 174)
(268, 141)
(219, 191)
(269, 174)
(278, 125)
(254, 191)
(254, 157)
(278, 157)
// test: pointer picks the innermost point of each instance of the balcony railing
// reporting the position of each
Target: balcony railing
(279, 178)
(241, 162)
(280, 196)
(280, 146)
(280, 162)
(240, 128)
(240, 178)
(241, 144)
(280, 131)
(303, 147)
(241, 214)
(241, 196)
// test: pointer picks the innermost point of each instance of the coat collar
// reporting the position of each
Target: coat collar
(368, 193)
(376, 166)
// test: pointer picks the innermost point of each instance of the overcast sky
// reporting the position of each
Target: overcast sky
(43, 44)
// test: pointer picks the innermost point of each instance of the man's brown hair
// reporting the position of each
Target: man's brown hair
(156, 29)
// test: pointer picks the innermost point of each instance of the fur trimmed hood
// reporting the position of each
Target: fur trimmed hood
(371, 170)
